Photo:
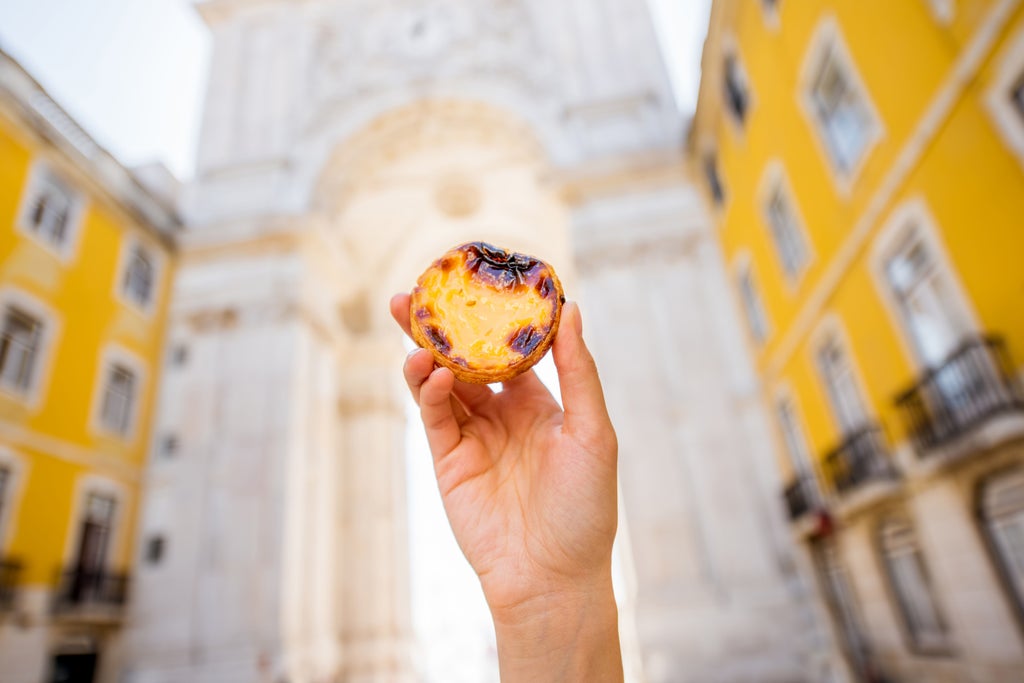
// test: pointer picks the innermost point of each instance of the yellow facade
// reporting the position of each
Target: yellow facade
(865, 169)
(937, 144)
(53, 437)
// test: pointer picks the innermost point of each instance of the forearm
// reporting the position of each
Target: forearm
(564, 635)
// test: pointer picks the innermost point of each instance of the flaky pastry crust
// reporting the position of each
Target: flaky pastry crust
(486, 314)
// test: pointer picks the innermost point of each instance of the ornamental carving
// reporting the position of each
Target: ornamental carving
(365, 46)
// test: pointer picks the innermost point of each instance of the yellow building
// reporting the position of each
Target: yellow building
(865, 164)
(85, 265)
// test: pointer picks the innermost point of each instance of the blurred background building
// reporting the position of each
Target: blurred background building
(851, 184)
(864, 164)
(86, 264)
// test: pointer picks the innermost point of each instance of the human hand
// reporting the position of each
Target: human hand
(530, 493)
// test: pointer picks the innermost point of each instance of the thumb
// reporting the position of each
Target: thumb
(582, 397)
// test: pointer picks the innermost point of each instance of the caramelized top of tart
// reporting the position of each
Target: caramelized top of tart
(486, 313)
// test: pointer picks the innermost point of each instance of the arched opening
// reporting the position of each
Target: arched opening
(412, 184)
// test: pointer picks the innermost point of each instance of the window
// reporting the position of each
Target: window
(139, 277)
(841, 386)
(50, 208)
(1017, 97)
(20, 344)
(737, 94)
(97, 528)
(169, 446)
(925, 300)
(179, 355)
(838, 105)
(786, 232)
(714, 180)
(5, 491)
(912, 586)
(793, 437)
(942, 10)
(155, 549)
(1004, 99)
(841, 603)
(757, 319)
(118, 399)
(1001, 504)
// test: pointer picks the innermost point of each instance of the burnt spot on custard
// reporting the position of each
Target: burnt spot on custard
(446, 264)
(526, 339)
(459, 360)
(501, 269)
(422, 312)
(546, 287)
(438, 338)
(561, 299)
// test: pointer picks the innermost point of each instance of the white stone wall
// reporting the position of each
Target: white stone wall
(346, 144)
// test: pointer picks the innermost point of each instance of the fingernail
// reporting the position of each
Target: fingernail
(412, 353)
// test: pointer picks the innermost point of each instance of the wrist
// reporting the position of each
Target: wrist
(565, 632)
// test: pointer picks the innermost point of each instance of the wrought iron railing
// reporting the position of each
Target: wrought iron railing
(862, 457)
(81, 590)
(10, 574)
(801, 496)
(975, 383)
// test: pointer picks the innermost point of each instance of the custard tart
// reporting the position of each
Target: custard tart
(485, 313)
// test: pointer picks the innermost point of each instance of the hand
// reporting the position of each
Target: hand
(530, 492)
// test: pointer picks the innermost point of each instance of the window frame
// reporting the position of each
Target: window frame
(743, 269)
(32, 396)
(775, 183)
(41, 176)
(943, 11)
(803, 463)
(831, 331)
(10, 499)
(86, 486)
(129, 246)
(828, 43)
(1001, 101)
(913, 221)
(1014, 596)
(899, 601)
(730, 55)
(770, 12)
(115, 355)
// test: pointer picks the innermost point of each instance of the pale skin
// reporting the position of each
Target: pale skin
(530, 492)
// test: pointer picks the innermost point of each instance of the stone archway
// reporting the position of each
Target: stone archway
(413, 183)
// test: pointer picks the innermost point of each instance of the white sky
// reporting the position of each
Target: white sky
(132, 73)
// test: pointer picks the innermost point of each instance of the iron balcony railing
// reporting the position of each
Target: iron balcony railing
(974, 384)
(82, 590)
(10, 574)
(862, 457)
(801, 496)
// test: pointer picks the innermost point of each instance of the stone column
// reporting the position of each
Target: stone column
(374, 559)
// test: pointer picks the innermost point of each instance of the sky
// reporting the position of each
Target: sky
(133, 72)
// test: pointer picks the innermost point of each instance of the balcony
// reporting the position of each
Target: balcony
(92, 596)
(862, 458)
(10, 573)
(971, 387)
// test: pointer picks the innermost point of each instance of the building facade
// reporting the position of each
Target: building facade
(86, 261)
(864, 163)
(345, 144)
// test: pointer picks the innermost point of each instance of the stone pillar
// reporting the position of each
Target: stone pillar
(374, 606)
